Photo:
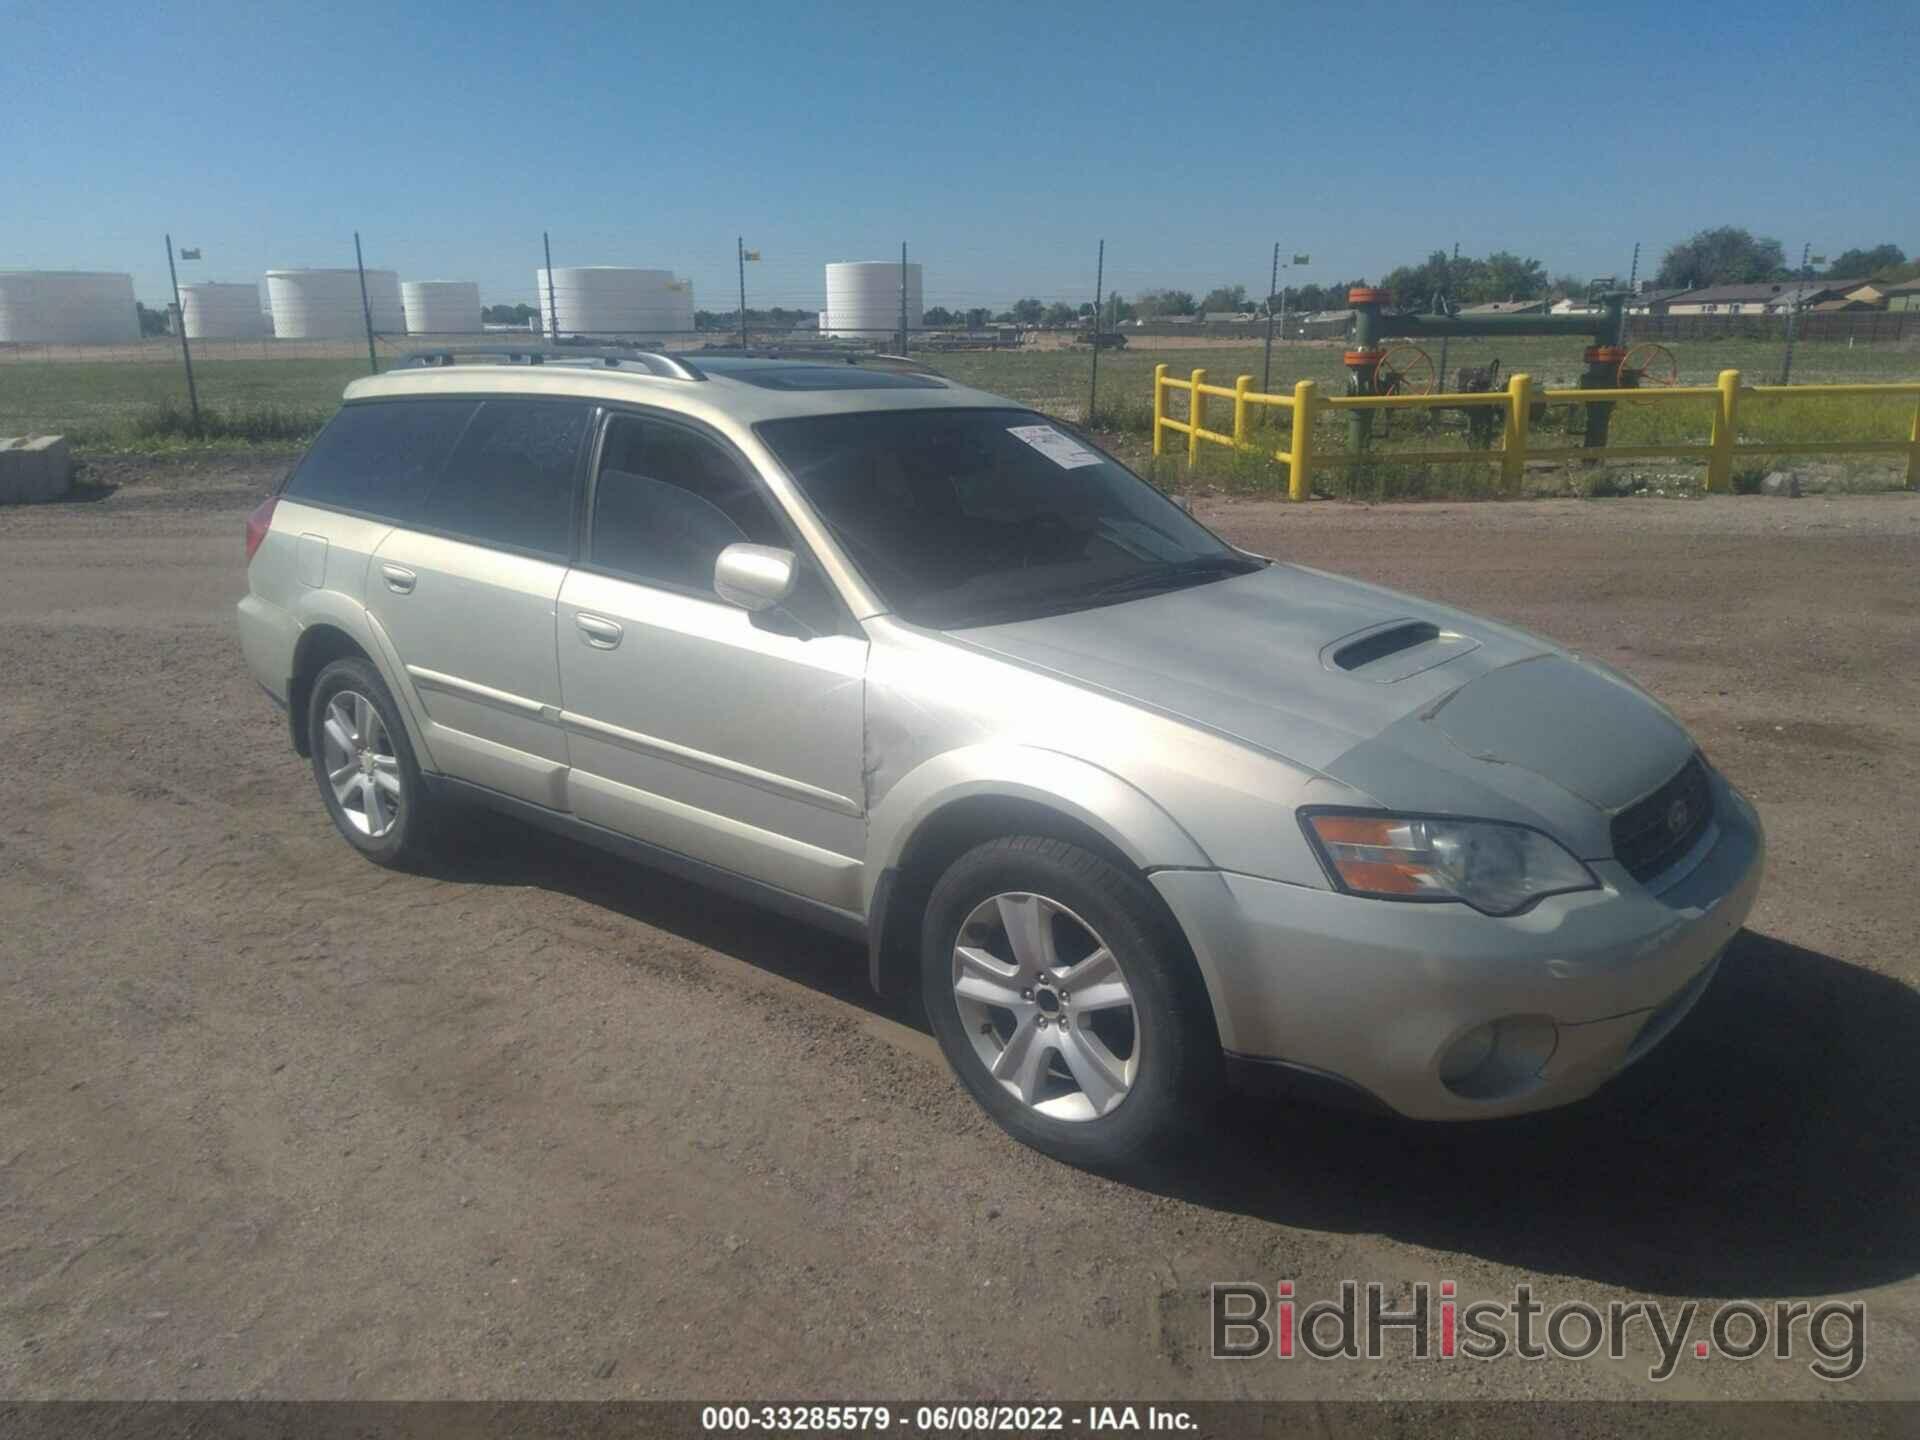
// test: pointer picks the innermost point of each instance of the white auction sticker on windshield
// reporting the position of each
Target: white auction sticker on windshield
(1065, 451)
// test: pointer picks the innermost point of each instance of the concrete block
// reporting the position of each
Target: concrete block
(36, 467)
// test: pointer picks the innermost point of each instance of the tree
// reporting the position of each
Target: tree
(1858, 264)
(939, 317)
(1503, 276)
(1727, 255)
(1059, 313)
(1571, 287)
(152, 322)
(508, 314)
(979, 318)
(1155, 303)
(1118, 308)
(1029, 311)
(1231, 298)
(1420, 287)
(1304, 299)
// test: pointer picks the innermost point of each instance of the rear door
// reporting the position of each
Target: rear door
(466, 589)
(692, 724)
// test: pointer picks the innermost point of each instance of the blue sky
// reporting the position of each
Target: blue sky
(1000, 141)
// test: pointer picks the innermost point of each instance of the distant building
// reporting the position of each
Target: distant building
(1652, 300)
(1321, 324)
(1568, 305)
(1775, 297)
(1507, 307)
(1870, 295)
(1903, 295)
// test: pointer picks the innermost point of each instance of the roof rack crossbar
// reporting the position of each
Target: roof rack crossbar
(670, 367)
(823, 354)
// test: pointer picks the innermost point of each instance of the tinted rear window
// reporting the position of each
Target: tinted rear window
(510, 481)
(381, 457)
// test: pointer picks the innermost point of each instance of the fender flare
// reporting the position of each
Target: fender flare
(357, 623)
(1122, 814)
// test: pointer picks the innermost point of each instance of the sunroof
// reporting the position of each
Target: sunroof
(827, 377)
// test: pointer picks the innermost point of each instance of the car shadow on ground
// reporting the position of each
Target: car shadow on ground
(1767, 1148)
(491, 849)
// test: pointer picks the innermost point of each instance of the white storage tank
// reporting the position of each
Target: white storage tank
(441, 307)
(325, 304)
(215, 311)
(614, 300)
(73, 307)
(863, 299)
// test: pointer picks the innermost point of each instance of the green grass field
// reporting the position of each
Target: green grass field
(140, 404)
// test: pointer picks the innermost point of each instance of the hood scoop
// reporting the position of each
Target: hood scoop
(1395, 649)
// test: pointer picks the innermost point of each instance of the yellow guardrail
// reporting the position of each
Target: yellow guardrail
(1517, 402)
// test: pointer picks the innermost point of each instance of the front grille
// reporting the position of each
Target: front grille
(1650, 834)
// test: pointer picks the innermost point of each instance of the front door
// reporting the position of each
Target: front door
(690, 723)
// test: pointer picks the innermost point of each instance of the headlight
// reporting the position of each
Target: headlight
(1499, 869)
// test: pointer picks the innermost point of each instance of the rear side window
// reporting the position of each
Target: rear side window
(381, 457)
(510, 480)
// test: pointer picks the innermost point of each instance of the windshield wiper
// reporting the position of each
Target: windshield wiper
(1170, 575)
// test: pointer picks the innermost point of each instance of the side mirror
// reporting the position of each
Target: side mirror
(754, 577)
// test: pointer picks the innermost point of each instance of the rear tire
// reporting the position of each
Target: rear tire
(364, 766)
(1067, 1001)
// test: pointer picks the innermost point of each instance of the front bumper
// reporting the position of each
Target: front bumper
(1369, 996)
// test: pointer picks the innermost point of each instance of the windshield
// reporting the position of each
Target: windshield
(972, 517)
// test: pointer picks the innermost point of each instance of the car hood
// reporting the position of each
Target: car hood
(1418, 706)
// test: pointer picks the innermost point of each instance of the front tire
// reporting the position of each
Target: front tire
(1067, 1001)
(364, 766)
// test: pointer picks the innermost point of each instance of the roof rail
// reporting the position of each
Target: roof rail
(670, 367)
(821, 354)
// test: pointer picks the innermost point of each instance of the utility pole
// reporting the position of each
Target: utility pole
(1446, 294)
(1099, 284)
(366, 309)
(553, 313)
(1273, 288)
(180, 319)
(740, 254)
(1793, 311)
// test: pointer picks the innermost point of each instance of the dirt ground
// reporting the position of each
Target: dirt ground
(274, 1122)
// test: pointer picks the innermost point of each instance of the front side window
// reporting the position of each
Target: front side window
(971, 517)
(667, 501)
(510, 480)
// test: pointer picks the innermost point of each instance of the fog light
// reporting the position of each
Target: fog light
(1500, 1059)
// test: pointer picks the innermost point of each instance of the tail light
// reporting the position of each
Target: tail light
(258, 523)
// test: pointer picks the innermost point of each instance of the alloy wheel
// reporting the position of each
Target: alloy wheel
(360, 764)
(1047, 1006)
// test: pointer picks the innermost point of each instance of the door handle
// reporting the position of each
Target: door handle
(399, 579)
(597, 632)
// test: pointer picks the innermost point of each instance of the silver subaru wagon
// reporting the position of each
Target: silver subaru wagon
(1141, 813)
